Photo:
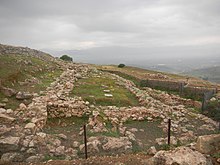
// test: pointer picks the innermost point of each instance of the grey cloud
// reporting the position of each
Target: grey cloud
(83, 24)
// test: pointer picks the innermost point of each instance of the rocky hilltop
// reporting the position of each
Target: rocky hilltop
(17, 50)
(47, 123)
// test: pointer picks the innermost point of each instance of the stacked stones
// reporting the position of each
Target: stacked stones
(22, 137)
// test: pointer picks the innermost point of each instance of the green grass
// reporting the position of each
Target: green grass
(46, 79)
(13, 70)
(91, 90)
(126, 76)
(216, 155)
(109, 131)
(70, 125)
(147, 138)
(213, 110)
(138, 76)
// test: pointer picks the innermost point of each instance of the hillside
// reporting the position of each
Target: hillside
(25, 70)
(46, 103)
(211, 73)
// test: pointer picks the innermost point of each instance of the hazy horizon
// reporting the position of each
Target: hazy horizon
(146, 26)
(166, 35)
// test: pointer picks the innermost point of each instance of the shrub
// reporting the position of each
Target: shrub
(66, 58)
(121, 65)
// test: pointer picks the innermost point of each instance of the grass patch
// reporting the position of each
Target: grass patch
(216, 155)
(62, 125)
(109, 133)
(150, 131)
(15, 69)
(92, 90)
(135, 147)
(213, 110)
(139, 77)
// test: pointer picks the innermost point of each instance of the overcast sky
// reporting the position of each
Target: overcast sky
(83, 24)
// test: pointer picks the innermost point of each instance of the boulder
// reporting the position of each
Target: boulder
(208, 144)
(9, 111)
(9, 144)
(108, 95)
(12, 157)
(76, 144)
(72, 152)
(22, 106)
(93, 145)
(4, 130)
(5, 100)
(23, 95)
(2, 110)
(179, 156)
(117, 144)
(78, 76)
(30, 126)
(62, 136)
(8, 91)
(34, 159)
(2, 105)
(60, 150)
(152, 150)
(6, 118)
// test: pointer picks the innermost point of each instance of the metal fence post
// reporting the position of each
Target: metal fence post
(85, 141)
(203, 103)
(169, 130)
(219, 125)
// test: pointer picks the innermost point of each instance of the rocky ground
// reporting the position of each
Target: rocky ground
(27, 137)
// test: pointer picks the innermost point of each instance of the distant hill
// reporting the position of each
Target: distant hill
(173, 59)
(210, 73)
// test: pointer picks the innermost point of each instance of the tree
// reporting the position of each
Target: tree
(121, 65)
(66, 58)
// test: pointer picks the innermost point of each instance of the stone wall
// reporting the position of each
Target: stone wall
(67, 108)
(170, 85)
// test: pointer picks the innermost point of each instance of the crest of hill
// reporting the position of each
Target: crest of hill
(17, 50)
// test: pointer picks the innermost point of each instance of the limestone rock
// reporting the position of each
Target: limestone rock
(30, 126)
(9, 111)
(9, 143)
(108, 95)
(2, 110)
(2, 105)
(4, 130)
(31, 151)
(22, 106)
(78, 76)
(8, 91)
(6, 118)
(42, 134)
(152, 150)
(60, 151)
(34, 159)
(62, 136)
(23, 95)
(92, 145)
(5, 100)
(121, 144)
(76, 144)
(12, 157)
(208, 143)
(179, 156)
